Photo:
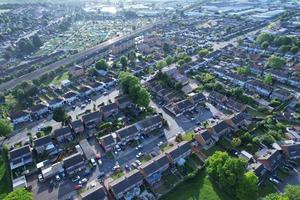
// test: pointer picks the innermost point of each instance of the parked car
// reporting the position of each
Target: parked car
(134, 165)
(273, 180)
(138, 162)
(99, 161)
(83, 181)
(140, 154)
(78, 187)
(40, 177)
(75, 179)
(57, 178)
(93, 162)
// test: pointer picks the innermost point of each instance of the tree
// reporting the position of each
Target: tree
(123, 61)
(5, 127)
(166, 48)
(295, 49)
(292, 192)
(247, 189)
(275, 196)
(19, 194)
(244, 70)
(161, 64)
(236, 142)
(169, 60)
(101, 64)
(268, 79)
(275, 62)
(265, 45)
(285, 48)
(203, 52)
(36, 41)
(127, 80)
(264, 37)
(132, 56)
(143, 99)
(59, 114)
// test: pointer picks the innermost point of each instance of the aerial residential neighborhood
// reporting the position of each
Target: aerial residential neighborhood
(170, 100)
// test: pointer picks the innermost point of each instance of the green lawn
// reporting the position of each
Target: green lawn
(198, 188)
(58, 79)
(188, 136)
(5, 180)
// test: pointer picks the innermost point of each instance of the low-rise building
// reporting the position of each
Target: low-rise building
(126, 186)
(107, 142)
(56, 103)
(216, 98)
(150, 124)
(70, 97)
(204, 138)
(260, 171)
(45, 145)
(219, 130)
(91, 120)
(153, 169)
(123, 102)
(74, 164)
(179, 152)
(63, 134)
(258, 87)
(280, 94)
(127, 133)
(290, 149)
(77, 126)
(109, 110)
(39, 110)
(270, 158)
(49, 172)
(20, 157)
(95, 193)
(20, 117)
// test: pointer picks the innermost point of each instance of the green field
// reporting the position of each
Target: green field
(198, 188)
(5, 180)
(58, 79)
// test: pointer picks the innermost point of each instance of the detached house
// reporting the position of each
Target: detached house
(270, 158)
(153, 169)
(91, 120)
(44, 145)
(107, 142)
(63, 134)
(179, 152)
(150, 124)
(20, 117)
(127, 133)
(126, 185)
(20, 157)
(74, 164)
(111, 109)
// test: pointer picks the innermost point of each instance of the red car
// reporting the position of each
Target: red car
(77, 187)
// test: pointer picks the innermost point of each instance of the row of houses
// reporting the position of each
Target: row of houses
(42, 109)
(131, 132)
(254, 86)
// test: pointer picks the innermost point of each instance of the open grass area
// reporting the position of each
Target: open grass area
(117, 175)
(5, 179)
(58, 79)
(198, 188)
(188, 136)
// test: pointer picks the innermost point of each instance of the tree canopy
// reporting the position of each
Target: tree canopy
(101, 64)
(19, 194)
(231, 174)
(268, 80)
(59, 114)
(276, 62)
(132, 87)
(291, 192)
(5, 127)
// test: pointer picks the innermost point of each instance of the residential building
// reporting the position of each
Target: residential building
(235, 106)
(290, 149)
(51, 171)
(219, 129)
(44, 145)
(258, 87)
(150, 124)
(91, 120)
(87, 149)
(107, 142)
(70, 97)
(127, 133)
(270, 158)
(281, 94)
(95, 193)
(204, 138)
(77, 126)
(74, 164)
(123, 102)
(39, 110)
(109, 110)
(153, 169)
(20, 117)
(216, 98)
(85, 90)
(20, 157)
(63, 134)
(126, 186)
(237, 121)
(56, 103)
(260, 171)
(179, 152)
(197, 98)
(179, 108)
(294, 81)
